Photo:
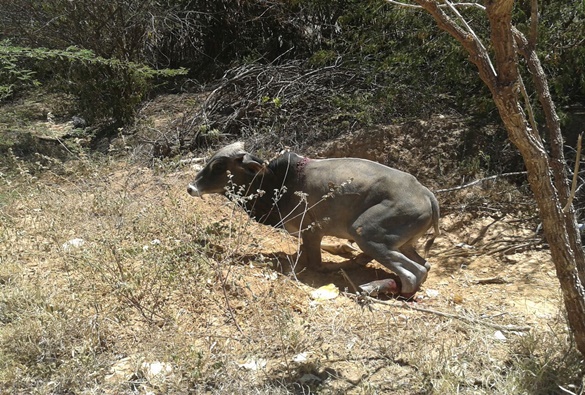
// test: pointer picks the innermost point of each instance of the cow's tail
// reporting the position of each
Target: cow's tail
(435, 217)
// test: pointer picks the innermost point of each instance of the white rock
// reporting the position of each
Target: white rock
(302, 357)
(155, 368)
(73, 243)
(253, 364)
(498, 335)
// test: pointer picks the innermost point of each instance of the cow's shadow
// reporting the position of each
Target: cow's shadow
(347, 275)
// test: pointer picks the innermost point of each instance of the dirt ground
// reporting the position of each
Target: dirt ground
(193, 286)
(501, 265)
(173, 294)
(493, 272)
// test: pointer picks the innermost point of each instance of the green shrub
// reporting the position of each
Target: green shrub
(106, 89)
(14, 76)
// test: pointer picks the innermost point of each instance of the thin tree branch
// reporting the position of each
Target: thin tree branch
(407, 5)
(400, 4)
(528, 106)
(548, 107)
(532, 39)
(469, 320)
(470, 31)
(575, 176)
(477, 52)
(516, 173)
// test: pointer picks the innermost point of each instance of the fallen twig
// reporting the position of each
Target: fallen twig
(406, 306)
(507, 249)
(484, 230)
(491, 280)
(458, 253)
(355, 289)
(516, 173)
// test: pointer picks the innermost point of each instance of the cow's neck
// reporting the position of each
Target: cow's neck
(284, 177)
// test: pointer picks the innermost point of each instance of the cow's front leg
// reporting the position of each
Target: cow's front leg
(310, 253)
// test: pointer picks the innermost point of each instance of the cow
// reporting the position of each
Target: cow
(383, 210)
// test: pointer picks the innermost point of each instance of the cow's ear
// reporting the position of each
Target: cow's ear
(218, 165)
(251, 165)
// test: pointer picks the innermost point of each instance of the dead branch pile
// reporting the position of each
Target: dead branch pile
(290, 103)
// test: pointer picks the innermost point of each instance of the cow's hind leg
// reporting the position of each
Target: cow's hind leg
(409, 252)
(381, 234)
(411, 274)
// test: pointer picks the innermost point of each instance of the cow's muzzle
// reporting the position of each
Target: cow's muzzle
(193, 191)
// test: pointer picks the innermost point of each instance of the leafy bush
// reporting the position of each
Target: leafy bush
(14, 77)
(402, 66)
(106, 89)
(111, 29)
(205, 36)
(561, 32)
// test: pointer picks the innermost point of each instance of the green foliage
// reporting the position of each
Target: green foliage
(562, 29)
(13, 77)
(407, 66)
(106, 89)
(111, 29)
(560, 47)
(322, 58)
(205, 36)
(420, 69)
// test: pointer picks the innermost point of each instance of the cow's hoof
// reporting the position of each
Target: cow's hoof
(362, 259)
(409, 296)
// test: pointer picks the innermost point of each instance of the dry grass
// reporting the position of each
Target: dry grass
(164, 283)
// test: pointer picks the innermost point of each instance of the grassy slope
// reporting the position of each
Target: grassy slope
(158, 280)
(173, 295)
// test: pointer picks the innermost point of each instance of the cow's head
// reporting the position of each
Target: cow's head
(232, 162)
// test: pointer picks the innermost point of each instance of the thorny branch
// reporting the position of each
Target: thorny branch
(408, 5)
(469, 320)
(249, 96)
(515, 173)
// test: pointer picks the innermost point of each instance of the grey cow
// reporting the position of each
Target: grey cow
(384, 210)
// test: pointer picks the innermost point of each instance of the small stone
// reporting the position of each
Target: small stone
(498, 335)
(73, 243)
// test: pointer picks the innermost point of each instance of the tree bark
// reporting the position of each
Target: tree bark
(555, 222)
(560, 179)
(548, 181)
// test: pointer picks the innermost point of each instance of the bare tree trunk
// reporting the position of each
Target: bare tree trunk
(556, 224)
(560, 178)
(548, 181)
